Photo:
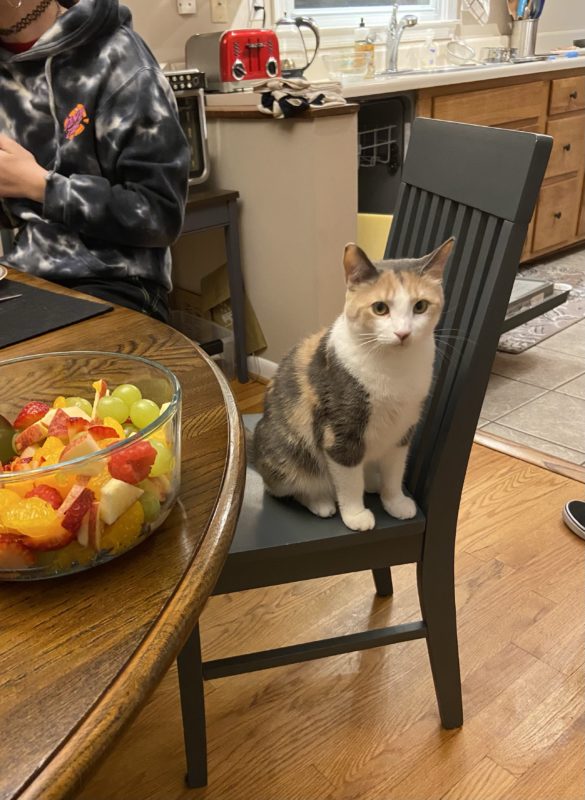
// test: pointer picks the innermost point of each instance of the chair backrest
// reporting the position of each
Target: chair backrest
(479, 185)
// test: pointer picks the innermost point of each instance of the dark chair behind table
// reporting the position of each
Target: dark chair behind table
(480, 185)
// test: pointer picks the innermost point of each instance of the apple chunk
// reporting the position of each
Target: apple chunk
(35, 433)
(117, 497)
(83, 445)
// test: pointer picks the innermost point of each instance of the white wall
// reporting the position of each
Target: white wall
(166, 31)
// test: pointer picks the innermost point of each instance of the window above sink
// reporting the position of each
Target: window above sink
(343, 16)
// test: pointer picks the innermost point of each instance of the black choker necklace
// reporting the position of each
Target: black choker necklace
(28, 19)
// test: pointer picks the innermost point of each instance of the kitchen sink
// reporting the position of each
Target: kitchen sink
(458, 67)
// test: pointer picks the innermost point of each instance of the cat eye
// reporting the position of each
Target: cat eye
(420, 306)
(380, 308)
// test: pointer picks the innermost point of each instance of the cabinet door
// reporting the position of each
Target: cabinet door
(499, 106)
(567, 94)
(568, 153)
(557, 213)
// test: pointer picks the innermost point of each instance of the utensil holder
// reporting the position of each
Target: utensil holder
(523, 37)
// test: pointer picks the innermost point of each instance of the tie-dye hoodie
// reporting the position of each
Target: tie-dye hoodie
(88, 100)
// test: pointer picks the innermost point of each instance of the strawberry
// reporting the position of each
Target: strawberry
(47, 493)
(32, 412)
(73, 516)
(133, 463)
(76, 425)
(13, 553)
(103, 432)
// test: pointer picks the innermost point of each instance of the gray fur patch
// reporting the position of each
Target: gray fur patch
(343, 409)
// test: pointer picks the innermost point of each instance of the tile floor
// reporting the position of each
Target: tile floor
(537, 397)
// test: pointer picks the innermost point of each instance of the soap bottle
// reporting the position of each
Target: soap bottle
(430, 52)
(364, 43)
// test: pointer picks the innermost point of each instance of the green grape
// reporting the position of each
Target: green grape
(163, 461)
(128, 393)
(112, 407)
(81, 403)
(150, 505)
(130, 430)
(143, 412)
(7, 452)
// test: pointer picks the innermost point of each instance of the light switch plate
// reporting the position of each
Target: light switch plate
(186, 6)
(219, 11)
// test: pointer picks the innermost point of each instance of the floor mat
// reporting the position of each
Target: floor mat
(565, 269)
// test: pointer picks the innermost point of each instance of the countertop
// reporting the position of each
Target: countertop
(411, 81)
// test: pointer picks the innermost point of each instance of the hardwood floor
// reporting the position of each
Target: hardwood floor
(365, 726)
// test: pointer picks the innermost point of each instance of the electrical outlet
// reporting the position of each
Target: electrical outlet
(219, 11)
(186, 6)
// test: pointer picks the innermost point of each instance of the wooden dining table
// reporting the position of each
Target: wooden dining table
(80, 654)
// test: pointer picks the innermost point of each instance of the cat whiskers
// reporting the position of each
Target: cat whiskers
(442, 337)
(370, 341)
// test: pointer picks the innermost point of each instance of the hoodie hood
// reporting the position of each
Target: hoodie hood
(86, 20)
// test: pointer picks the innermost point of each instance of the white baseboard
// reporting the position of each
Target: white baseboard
(262, 367)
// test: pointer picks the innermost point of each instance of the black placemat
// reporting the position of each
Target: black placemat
(39, 311)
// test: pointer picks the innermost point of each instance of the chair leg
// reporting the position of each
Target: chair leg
(437, 600)
(236, 282)
(190, 669)
(383, 581)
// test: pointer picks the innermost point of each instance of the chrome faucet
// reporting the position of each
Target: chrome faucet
(394, 35)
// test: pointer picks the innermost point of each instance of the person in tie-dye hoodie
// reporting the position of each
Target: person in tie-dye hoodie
(93, 161)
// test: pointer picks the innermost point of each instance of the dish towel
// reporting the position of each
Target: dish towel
(286, 97)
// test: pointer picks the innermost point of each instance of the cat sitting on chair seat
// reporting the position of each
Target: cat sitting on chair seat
(344, 403)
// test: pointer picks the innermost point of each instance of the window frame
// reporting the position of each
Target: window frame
(435, 13)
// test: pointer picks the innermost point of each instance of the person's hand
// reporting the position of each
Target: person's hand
(20, 175)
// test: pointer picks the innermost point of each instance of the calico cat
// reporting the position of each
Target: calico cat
(345, 402)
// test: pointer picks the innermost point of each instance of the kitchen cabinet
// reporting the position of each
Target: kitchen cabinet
(545, 103)
(298, 188)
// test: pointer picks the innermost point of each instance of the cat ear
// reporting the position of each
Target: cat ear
(358, 267)
(434, 264)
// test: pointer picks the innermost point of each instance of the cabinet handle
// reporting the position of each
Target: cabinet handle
(558, 214)
(567, 147)
(573, 95)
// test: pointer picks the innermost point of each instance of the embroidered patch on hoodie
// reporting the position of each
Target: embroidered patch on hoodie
(74, 121)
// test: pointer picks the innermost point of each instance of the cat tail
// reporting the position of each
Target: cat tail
(249, 439)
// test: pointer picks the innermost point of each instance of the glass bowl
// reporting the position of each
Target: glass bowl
(348, 67)
(80, 485)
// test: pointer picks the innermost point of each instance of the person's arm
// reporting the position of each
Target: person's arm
(140, 141)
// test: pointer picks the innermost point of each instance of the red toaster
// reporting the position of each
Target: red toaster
(232, 60)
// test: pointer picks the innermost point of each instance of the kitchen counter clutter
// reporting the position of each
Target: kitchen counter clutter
(414, 80)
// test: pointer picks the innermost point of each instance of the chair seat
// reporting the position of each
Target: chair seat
(280, 534)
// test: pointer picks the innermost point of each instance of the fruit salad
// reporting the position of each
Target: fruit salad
(80, 479)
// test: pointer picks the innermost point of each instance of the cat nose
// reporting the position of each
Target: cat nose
(402, 335)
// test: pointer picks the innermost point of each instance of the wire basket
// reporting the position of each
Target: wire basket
(374, 146)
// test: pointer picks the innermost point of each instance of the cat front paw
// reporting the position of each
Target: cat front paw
(401, 507)
(362, 520)
(322, 508)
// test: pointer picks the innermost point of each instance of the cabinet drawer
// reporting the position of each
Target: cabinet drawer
(497, 106)
(567, 94)
(557, 212)
(568, 152)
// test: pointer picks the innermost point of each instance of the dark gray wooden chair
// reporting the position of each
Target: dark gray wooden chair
(479, 185)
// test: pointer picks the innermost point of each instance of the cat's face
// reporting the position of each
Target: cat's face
(398, 302)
